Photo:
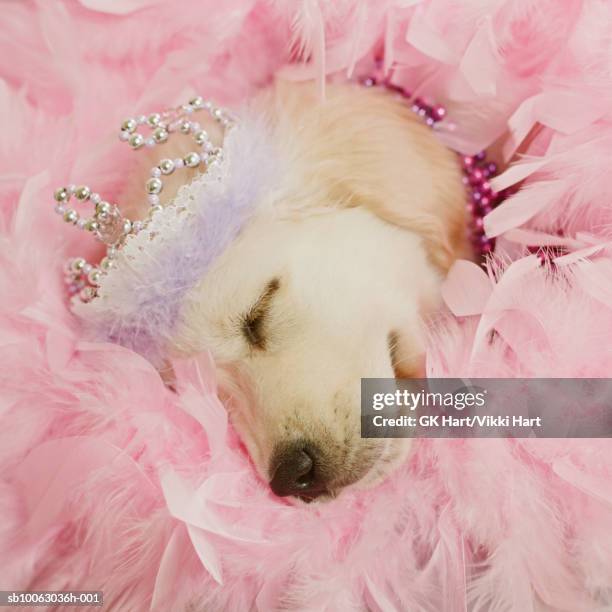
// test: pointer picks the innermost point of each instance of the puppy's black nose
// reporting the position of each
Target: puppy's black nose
(294, 472)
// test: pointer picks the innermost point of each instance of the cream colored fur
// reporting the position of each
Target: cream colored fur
(367, 218)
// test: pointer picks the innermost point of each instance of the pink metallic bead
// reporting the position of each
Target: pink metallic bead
(476, 243)
(438, 112)
(476, 176)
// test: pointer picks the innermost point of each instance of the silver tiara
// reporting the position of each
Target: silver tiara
(107, 223)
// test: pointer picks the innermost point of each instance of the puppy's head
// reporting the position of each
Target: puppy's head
(302, 306)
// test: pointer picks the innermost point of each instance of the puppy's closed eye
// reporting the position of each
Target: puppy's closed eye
(254, 322)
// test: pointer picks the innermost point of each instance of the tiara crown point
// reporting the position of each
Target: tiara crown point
(107, 223)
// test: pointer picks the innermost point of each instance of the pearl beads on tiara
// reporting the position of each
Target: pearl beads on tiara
(107, 223)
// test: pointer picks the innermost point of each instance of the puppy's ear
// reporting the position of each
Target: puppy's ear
(365, 147)
(406, 177)
(443, 232)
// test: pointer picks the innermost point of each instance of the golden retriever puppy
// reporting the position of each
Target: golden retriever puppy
(327, 281)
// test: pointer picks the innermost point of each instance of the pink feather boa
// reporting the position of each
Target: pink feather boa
(109, 481)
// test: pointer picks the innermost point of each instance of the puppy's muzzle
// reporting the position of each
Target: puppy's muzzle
(296, 470)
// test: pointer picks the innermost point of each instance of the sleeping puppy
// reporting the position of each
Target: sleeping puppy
(329, 282)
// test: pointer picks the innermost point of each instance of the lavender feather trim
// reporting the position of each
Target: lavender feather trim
(139, 302)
